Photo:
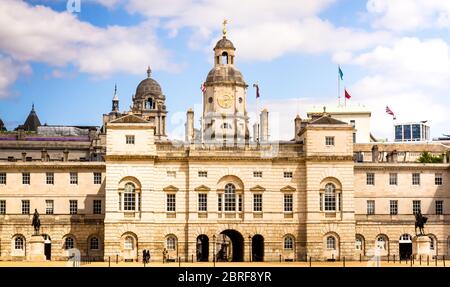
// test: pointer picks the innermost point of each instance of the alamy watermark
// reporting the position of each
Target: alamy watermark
(73, 6)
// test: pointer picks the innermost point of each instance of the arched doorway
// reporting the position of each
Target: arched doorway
(47, 246)
(202, 248)
(230, 245)
(405, 246)
(257, 248)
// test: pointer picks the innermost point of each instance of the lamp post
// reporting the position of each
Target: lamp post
(214, 250)
(250, 248)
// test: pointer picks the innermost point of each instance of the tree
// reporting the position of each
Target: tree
(427, 157)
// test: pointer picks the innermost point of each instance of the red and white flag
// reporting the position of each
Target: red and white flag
(203, 88)
(347, 95)
(390, 112)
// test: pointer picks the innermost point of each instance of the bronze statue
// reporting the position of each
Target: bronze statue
(420, 222)
(36, 222)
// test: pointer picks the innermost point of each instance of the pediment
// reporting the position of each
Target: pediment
(202, 188)
(129, 119)
(288, 188)
(170, 188)
(257, 188)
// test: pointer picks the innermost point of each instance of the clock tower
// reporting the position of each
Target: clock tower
(224, 98)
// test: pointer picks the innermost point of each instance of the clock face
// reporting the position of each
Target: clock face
(225, 101)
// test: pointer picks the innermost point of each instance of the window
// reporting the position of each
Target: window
(25, 178)
(240, 202)
(393, 179)
(171, 243)
(439, 207)
(97, 208)
(381, 243)
(219, 202)
(129, 139)
(230, 197)
(2, 178)
(329, 141)
(128, 243)
(359, 243)
(73, 178)
(97, 178)
(431, 243)
(370, 178)
(18, 243)
(417, 206)
(288, 200)
(438, 179)
(257, 202)
(288, 243)
(416, 178)
(202, 202)
(25, 207)
(257, 174)
(49, 207)
(171, 202)
(393, 207)
(68, 243)
(370, 207)
(73, 206)
(50, 178)
(171, 173)
(202, 174)
(331, 243)
(93, 243)
(129, 197)
(2, 206)
(287, 174)
(226, 126)
(354, 137)
(330, 197)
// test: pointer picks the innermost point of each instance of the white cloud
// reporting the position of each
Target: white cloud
(9, 72)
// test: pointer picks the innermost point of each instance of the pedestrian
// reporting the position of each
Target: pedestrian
(144, 254)
(164, 255)
(148, 256)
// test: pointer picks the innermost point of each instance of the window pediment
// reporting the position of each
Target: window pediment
(288, 188)
(170, 188)
(202, 188)
(257, 188)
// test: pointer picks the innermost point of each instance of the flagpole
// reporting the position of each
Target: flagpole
(339, 87)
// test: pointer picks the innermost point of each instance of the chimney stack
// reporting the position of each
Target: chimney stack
(189, 131)
(298, 127)
(264, 126)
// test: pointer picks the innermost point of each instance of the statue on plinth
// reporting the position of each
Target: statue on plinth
(420, 222)
(36, 222)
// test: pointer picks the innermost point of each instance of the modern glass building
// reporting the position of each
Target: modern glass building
(416, 131)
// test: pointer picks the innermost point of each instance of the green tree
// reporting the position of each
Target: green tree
(427, 157)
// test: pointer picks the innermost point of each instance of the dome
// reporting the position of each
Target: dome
(224, 43)
(148, 86)
(225, 74)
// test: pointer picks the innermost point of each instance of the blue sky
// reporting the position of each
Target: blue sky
(393, 53)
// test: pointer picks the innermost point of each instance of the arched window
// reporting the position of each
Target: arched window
(330, 197)
(288, 243)
(381, 243)
(405, 238)
(149, 104)
(331, 243)
(18, 243)
(359, 243)
(128, 243)
(230, 197)
(224, 58)
(93, 243)
(129, 197)
(431, 242)
(68, 243)
(171, 243)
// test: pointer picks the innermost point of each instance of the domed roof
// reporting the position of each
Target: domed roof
(224, 43)
(224, 73)
(148, 86)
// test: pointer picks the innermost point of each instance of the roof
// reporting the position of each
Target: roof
(224, 43)
(32, 122)
(327, 120)
(130, 119)
(225, 74)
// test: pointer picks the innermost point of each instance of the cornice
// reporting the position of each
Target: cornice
(325, 158)
(109, 158)
(51, 165)
(400, 166)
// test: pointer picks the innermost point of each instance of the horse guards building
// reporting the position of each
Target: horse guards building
(332, 191)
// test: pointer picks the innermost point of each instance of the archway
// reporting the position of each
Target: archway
(231, 247)
(47, 246)
(257, 248)
(405, 246)
(202, 248)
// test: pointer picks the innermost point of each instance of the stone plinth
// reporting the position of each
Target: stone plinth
(421, 247)
(36, 252)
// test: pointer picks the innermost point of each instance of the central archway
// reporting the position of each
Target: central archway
(202, 248)
(257, 248)
(231, 246)
(405, 246)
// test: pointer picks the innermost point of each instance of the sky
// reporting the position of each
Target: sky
(65, 56)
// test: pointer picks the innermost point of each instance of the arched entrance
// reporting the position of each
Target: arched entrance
(405, 246)
(202, 248)
(257, 248)
(230, 245)
(47, 246)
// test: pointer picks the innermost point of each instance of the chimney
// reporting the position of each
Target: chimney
(24, 156)
(264, 125)
(189, 132)
(256, 132)
(44, 155)
(66, 155)
(375, 153)
(298, 127)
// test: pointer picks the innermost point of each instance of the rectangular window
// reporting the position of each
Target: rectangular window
(2, 206)
(73, 178)
(219, 202)
(202, 174)
(393, 207)
(73, 206)
(407, 133)
(2, 178)
(97, 208)
(371, 207)
(49, 207)
(240, 202)
(50, 178)
(329, 141)
(257, 202)
(393, 179)
(171, 202)
(417, 206)
(439, 207)
(416, 178)
(354, 137)
(287, 174)
(129, 139)
(257, 174)
(97, 178)
(202, 202)
(438, 179)
(370, 178)
(398, 133)
(172, 174)
(25, 207)
(288, 200)
(26, 178)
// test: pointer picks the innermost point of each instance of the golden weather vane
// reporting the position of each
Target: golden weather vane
(224, 31)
